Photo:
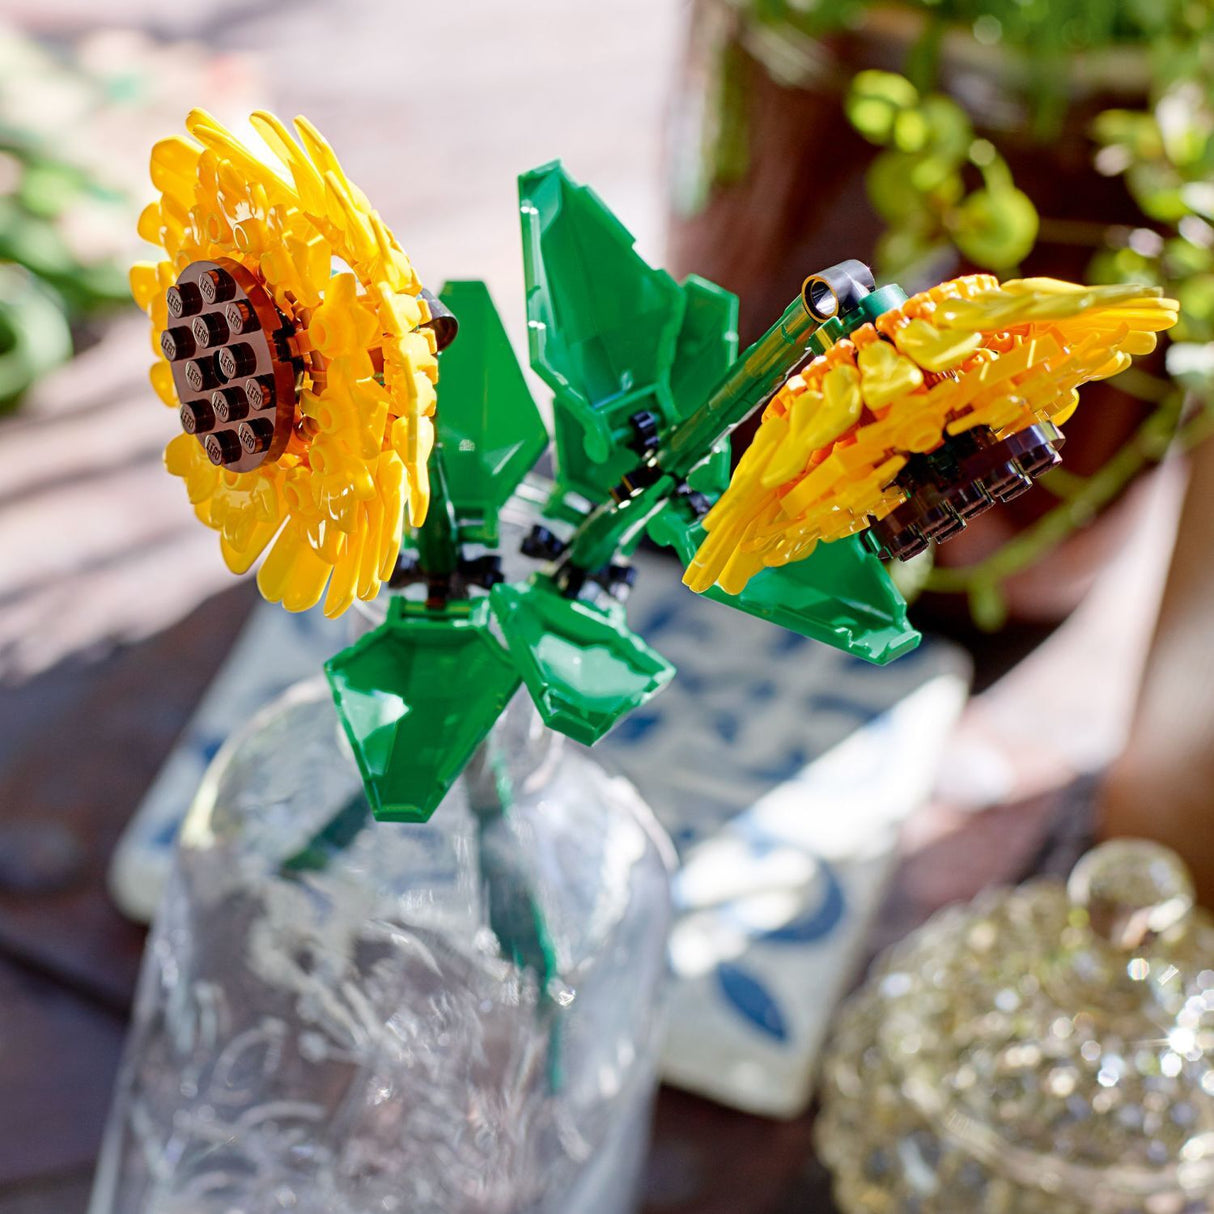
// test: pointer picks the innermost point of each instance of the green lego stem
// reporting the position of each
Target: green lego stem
(515, 914)
(334, 836)
(751, 380)
(437, 539)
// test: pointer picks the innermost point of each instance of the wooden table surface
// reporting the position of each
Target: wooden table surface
(115, 610)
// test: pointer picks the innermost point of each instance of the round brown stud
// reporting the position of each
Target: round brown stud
(209, 330)
(260, 392)
(230, 404)
(197, 416)
(237, 360)
(217, 286)
(183, 300)
(177, 343)
(240, 316)
(256, 435)
(201, 374)
(222, 447)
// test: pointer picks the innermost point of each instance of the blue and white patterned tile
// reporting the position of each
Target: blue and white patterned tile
(783, 771)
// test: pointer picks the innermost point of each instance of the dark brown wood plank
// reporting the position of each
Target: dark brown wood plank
(707, 1159)
(91, 738)
(58, 1195)
(58, 1057)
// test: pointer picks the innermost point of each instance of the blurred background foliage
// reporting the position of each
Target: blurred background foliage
(64, 219)
(77, 117)
(948, 197)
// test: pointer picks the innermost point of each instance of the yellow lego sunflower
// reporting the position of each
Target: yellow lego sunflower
(291, 334)
(917, 421)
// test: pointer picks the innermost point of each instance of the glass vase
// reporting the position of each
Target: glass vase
(337, 1014)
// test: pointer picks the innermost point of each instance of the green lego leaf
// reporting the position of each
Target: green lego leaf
(603, 324)
(840, 594)
(611, 335)
(708, 344)
(416, 697)
(581, 664)
(490, 429)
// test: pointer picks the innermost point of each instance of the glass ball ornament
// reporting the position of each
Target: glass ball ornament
(1048, 1048)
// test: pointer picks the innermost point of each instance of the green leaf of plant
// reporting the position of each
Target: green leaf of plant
(1131, 129)
(951, 129)
(932, 174)
(987, 605)
(890, 190)
(1182, 257)
(875, 101)
(1196, 296)
(900, 250)
(1123, 265)
(995, 229)
(912, 131)
(895, 89)
(1158, 191)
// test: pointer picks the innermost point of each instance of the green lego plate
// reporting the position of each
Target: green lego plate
(488, 423)
(581, 664)
(840, 594)
(416, 697)
(611, 335)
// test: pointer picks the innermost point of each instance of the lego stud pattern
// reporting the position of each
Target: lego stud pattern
(916, 422)
(957, 482)
(212, 385)
(306, 396)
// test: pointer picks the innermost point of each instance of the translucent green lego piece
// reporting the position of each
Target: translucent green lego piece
(416, 697)
(839, 594)
(581, 664)
(488, 424)
(747, 383)
(868, 309)
(611, 335)
(708, 344)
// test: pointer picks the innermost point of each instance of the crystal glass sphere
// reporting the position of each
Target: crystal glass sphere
(1048, 1048)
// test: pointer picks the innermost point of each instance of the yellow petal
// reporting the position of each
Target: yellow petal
(344, 583)
(369, 571)
(792, 455)
(885, 374)
(390, 478)
(933, 349)
(292, 574)
(307, 180)
(841, 405)
(174, 168)
(161, 375)
(145, 283)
